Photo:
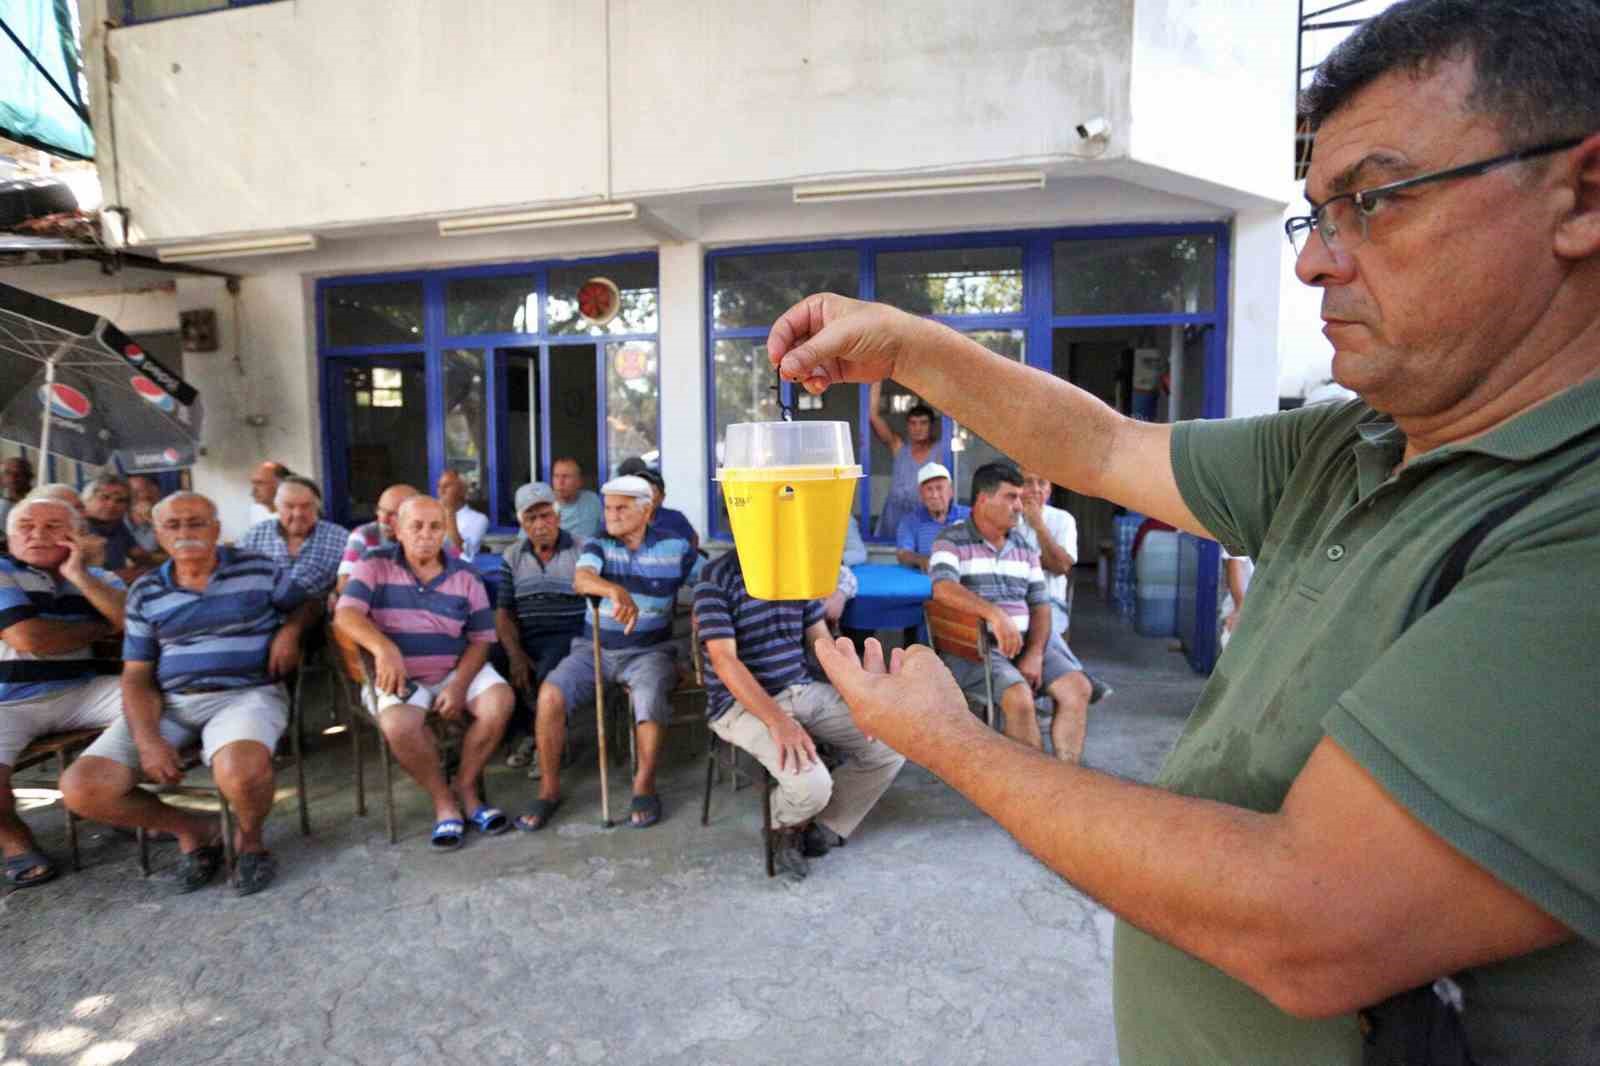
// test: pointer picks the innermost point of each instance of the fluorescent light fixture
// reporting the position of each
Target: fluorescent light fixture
(579, 214)
(990, 181)
(292, 242)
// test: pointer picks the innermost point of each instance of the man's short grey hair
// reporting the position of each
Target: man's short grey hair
(178, 497)
(419, 498)
(103, 481)
(55, 490)
(294, 481)
(32, 501)
(1536, 63)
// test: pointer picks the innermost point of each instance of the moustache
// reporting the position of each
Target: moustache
(188, 542)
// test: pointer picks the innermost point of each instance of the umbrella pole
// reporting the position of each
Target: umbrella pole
(44, 432)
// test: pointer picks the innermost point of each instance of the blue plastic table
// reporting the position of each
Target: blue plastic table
(888, 597)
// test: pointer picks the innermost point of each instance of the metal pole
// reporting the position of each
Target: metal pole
(49, 396)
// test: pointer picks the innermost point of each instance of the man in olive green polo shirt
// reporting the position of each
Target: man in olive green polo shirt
(1368, 797)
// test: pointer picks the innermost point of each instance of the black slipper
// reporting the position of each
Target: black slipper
(538, 816)
(649, 809)
(18, 867)
(199, 866)
(253, 872)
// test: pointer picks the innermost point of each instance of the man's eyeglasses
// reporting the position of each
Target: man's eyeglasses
(1343, 220)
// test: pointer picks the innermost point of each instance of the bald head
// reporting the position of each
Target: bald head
(389, 507)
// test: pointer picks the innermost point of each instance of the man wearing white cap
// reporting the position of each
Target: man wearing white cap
(917, 530)
(537, 614)
(637, 571)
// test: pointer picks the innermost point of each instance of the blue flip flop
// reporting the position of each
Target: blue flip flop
(490, 821)
(448, 834)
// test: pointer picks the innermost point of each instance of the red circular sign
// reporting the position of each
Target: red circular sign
(599, 300)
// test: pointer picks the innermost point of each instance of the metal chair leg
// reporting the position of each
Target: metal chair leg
(144, 851)
(767, 841)
(355, 752)
(300, 762)
(711, 773)
(229, 858)
(388, 787)
(72, 819)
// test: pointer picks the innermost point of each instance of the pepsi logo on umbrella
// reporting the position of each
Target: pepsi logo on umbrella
(65, 401)
(152, 392)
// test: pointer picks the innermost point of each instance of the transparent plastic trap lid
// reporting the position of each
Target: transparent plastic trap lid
(762, 445)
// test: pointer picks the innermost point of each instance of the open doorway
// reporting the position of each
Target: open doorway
(573, 405)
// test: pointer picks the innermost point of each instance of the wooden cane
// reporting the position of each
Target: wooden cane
(600, 718)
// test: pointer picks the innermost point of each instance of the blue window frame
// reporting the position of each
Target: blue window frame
(137, 11)
(443, 346)
(1196, 300)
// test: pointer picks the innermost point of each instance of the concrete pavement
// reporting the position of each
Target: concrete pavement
(931, 938)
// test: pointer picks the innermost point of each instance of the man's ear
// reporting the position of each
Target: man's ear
(1578, 235)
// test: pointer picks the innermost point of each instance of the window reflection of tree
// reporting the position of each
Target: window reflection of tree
(633, 404)
(465, 427)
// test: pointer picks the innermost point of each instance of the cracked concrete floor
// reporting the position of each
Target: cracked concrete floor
(931, 938)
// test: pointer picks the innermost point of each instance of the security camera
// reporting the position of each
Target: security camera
(1094, 128)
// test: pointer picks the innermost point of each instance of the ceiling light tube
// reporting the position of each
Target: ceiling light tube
(579, 214)
(293, 242)
(991, 181)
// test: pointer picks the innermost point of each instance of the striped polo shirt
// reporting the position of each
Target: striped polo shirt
(1011, 578)
(431, 623)
(217, 637)
(27, 592)
(652, 575)
(769, 634)
(540, 594)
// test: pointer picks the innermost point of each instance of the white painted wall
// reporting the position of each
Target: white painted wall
(1306, 356)
(321, 114)
(1258, 251)
(1212, 91)
(683, 380)
(263, 367)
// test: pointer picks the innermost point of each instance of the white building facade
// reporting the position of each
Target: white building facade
(391, 176)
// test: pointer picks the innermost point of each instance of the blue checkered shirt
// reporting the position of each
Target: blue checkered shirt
(316, 568)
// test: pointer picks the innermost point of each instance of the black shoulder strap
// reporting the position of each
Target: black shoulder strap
(1455, 564)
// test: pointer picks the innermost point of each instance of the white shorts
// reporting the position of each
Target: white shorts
(487, 678)
(216, 719)
(93, 705)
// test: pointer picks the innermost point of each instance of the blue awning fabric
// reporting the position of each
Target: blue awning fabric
(41, 78)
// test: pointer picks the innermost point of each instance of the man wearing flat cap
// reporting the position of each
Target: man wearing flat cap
(637, 571)
(914, 536)
(537, 614)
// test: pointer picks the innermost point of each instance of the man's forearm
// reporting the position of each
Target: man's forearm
(1052, 556)
(141, 706)
(747, 691)
(361, 629)
(505, 628)
(1038, 628)
(36, 636)
(471, 661)
(911, 559)
(586, 582)
(105, 599)
(955, 594)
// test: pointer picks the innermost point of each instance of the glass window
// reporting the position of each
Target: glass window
(743, 379)
(633, 403)
(465, 424)
(636, 281)
(968, 451)
(142, 10)
(952, 281)
(1136, 275)
(383, 406)
(491, 305)
(388, 312)
(753, 290)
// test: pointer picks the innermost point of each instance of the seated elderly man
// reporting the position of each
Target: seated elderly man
(537, 614)
(914, 537)
(298, 537)
(208, 635)
(638, 573)
(464, 525)
(424, 616)
(378, 532)
(761, 698)
(105, 506)
(90, 543)
(143, 495)
(663, 519)
(984, 566)
(52, 608)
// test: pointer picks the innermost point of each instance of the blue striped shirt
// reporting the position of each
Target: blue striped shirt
(430, 622)
(218, 637)
(652, 575)
(27, 592)
(919, 529)
(769, 634)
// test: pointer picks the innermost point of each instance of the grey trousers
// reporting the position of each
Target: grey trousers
(838, 800)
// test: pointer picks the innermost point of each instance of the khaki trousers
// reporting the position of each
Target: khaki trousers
(840, 800)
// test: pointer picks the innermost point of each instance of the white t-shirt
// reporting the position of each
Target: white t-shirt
(1063, 530)
(259, 514)
(473, 525)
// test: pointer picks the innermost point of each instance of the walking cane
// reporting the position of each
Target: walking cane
(600, 718)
